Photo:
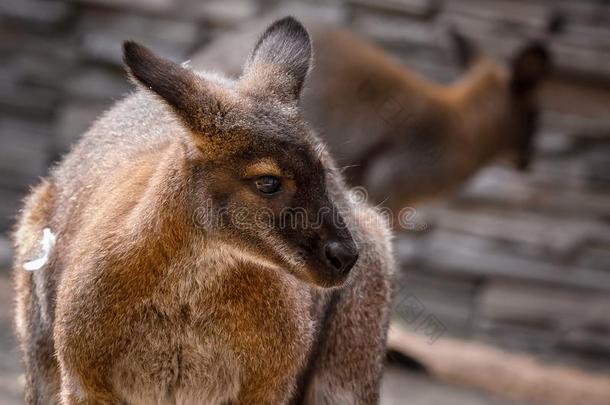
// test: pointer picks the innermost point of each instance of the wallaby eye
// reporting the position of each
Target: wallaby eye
(268, 184)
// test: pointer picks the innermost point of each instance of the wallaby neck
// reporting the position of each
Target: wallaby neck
(481, 105)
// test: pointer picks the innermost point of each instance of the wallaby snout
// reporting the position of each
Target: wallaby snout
(332, 248)
(341, 255)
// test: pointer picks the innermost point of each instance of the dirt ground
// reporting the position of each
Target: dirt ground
(399, 385)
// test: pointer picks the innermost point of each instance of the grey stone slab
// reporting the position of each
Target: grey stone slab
(534, 15)
(572, 172)
(32, 101)
(457, 253)
(489, 37)
(585, 35)
(413, 8)
(448, 300)
(406, 247)
(38, 15)
(6, 252)
(499, 29)
(103, 33)
(17, 37)
(554, 144)
(542, 305)
(156, 6)
(97, 84)
(500, 187)
(225, 13)
(10, 203)
(589, 13)
(532, 339)
(578, 60)
(596, 256)
(31, 68)
(575, 124)
(598, 165)
(73, 120)
(395, 28)
(594, 339)
(24, 152)
(546, 236)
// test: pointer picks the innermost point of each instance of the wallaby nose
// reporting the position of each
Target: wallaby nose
(340, 256)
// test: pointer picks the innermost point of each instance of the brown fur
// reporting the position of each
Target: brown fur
(406, 139)
(143, 302)
(403, 138)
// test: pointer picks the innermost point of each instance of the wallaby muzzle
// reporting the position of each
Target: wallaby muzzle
(341, 256)
(337, 251)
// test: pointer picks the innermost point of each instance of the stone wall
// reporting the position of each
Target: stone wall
(519, 259)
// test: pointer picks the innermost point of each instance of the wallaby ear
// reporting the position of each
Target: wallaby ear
(531, 65)
(466, 53)
(181, 88)
(280, 60)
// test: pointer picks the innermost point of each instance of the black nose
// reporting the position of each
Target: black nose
(340, 256)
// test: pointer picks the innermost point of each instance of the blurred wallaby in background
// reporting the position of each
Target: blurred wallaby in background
(402, 137)
(182, 252)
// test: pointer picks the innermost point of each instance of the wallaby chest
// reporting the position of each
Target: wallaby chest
(200, 336)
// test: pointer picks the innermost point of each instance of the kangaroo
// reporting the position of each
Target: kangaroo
(198, 245)
(404, 138)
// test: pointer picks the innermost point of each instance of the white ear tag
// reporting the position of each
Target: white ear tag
(46, 246)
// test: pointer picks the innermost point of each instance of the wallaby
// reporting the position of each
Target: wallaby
(407, 139)
(199, 246)
(404, 138)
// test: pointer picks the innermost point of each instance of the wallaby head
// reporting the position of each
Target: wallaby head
(528, 68)
(258, 182)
